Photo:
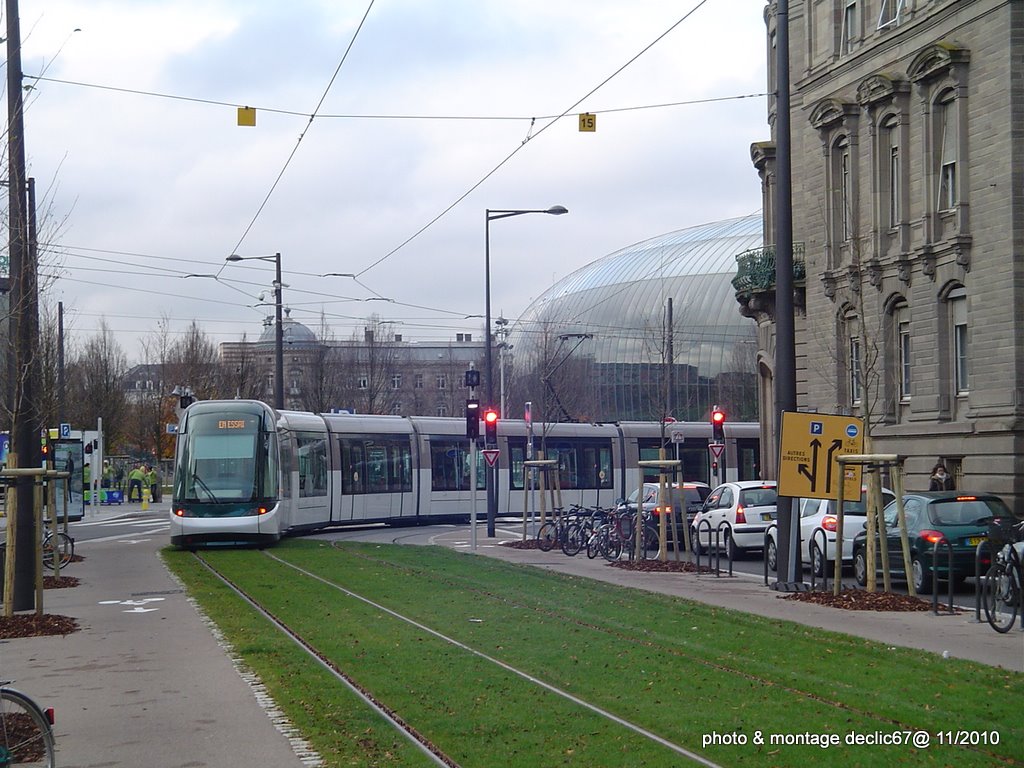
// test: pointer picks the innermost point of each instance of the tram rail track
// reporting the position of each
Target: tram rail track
(436, 754)
(432, 752)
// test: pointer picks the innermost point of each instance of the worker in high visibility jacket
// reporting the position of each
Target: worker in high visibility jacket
(135, 480)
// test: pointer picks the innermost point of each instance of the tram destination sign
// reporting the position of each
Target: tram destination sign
(811, 444)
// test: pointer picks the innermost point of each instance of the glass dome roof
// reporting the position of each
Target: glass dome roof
(619, 303)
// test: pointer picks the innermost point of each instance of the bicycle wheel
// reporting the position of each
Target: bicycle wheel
(573, 539)
(610, 545)
(65, 548)
(652, 543)
(26, 736)
(1001, 597)
(547, 536)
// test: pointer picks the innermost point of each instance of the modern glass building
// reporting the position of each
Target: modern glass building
(649, 331)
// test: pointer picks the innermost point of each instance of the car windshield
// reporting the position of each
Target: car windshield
(695, 496)
(966, 510)
(758, 497)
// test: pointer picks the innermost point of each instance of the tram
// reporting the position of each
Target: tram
(245, 473)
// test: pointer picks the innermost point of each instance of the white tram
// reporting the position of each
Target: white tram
(247, 474)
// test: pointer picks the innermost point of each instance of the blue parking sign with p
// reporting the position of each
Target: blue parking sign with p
(817, 428)
(65, 430)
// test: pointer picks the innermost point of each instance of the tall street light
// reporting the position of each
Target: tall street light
(278, 327)
(493, 215)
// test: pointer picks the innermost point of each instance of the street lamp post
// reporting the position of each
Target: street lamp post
(278, 326)
(493, 215)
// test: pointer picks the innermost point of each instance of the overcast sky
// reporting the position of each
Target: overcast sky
(384, 131)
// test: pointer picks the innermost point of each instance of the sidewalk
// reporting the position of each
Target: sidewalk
(144, 682)
(956, 635)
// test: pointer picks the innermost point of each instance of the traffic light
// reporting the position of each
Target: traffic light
(717, 424)
(472, 419)
(491, 426)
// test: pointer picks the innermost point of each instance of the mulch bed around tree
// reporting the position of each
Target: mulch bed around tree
(848, 599)
(31, 625)
(859, 600)
(59, 582)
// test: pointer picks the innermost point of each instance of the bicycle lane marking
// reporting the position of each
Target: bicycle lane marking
(509, 668)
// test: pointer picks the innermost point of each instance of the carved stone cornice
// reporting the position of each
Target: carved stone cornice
(829, 113)
(937, 60)
(879, 89)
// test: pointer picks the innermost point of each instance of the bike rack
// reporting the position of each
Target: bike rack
(949, 574)
(700, 527)
(824, 556)
(764, 549)
(978, 577)
(718, 548)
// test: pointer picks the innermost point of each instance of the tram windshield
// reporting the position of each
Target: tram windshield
(224, 458)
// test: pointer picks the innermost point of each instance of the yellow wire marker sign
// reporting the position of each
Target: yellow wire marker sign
(807, 457)
(588, 122)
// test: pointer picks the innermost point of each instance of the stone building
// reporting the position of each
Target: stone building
(908, 203)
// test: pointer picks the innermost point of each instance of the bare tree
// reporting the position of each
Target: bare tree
(96, 384)
(322, 383)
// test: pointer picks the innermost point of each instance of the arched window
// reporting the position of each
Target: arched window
(841, 190)
(947, 133)
(889, 146)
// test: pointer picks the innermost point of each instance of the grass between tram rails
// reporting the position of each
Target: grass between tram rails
(683, 670)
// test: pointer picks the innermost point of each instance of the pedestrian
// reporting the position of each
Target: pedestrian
(940, 479)
(153, 481)
(119, 477)
(107, 478)
(135, 478)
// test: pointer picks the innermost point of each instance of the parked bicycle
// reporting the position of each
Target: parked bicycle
(1001, 587)
(26, 731)
(57, 546)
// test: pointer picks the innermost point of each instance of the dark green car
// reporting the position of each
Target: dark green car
(959, 517)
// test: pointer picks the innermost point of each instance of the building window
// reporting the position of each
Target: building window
(949, 141)
(841, 191)
(958, 313)
(396, 409)
(364, 382)
(889, 14)
(903, 351)
(396, 381)
(417, 381)
(854, 369)
(849, 27)
(442, 382)
(442, 409)
(891, 148)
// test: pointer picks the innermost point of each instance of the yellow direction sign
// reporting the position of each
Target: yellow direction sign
(807, 461)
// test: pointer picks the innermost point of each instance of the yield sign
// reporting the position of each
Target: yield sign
(491, 456)
(716, 449)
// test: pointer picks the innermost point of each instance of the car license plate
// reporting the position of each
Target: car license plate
(767, 516)
(974, 541)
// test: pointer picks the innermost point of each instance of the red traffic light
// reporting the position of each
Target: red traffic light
(717, 417)
(490, 416)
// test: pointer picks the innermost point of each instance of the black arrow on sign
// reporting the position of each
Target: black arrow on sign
(836, 445)
(802, 468)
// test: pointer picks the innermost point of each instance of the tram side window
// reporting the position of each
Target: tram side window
(516, 470)
(312, 454)
(584, 464)
(376, 465)
(450, 468)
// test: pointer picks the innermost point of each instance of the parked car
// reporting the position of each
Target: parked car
(748, 506)
(693, 493)
(821, 513)
(961, 518)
